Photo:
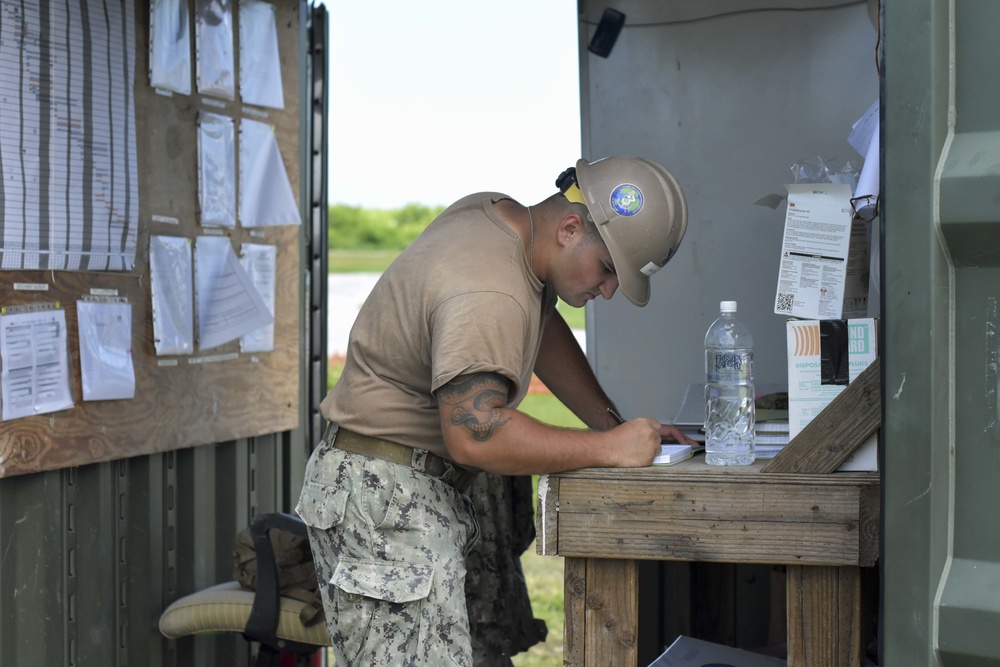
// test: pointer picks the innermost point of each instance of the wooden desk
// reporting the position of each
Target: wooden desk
(824, 528)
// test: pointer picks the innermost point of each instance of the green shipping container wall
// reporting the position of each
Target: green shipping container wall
(941, 187)
(91, 555)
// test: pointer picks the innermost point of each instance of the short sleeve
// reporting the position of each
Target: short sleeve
(479, 332)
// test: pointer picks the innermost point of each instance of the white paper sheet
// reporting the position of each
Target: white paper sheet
(815, 278)
(260, 263)
(865, 130)
(35, 375)
(70, 188)
(214, 41)
(170, 46)
(105, 332)
(260, 63)
(172, 290)
(266, 196)
(868, 180)
(217, 170)
(228, 303)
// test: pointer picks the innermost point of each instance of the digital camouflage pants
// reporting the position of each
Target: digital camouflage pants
(390, 546)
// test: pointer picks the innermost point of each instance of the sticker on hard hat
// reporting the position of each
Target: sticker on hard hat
(650, 268)
(626, 199)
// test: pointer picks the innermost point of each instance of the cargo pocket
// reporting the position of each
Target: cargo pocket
(379, 601)
(321, 506)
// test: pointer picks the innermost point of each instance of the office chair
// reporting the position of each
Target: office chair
(260, 615)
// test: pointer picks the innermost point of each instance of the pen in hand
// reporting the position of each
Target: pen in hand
(617, 417)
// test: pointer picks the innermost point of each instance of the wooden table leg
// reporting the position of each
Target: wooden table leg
(601, 612)
(825, 615)
(574, 610)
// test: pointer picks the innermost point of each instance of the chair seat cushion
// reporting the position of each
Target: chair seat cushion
(226, 608)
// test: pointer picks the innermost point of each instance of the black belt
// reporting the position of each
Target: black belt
(387, 450)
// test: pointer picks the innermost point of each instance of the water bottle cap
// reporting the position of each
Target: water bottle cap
(727, 306)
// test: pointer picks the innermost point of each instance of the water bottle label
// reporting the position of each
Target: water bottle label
(731, 366)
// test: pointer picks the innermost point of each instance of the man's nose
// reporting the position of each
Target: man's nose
(608, 287)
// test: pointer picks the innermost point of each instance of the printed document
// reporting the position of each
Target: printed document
(35, 373)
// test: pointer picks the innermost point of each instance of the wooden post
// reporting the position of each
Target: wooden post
(825, 616)
(602, 613)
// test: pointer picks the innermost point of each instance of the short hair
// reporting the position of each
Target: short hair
(589, 226)
(591, 232)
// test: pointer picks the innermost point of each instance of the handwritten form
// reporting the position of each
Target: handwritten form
(68, 174)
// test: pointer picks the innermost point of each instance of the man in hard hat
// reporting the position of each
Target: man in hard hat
(440, 356)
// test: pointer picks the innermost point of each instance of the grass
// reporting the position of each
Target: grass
(360, 261)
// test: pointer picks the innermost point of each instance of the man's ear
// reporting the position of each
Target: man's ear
(570, 228)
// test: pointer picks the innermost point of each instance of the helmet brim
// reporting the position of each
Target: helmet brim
(633, 284)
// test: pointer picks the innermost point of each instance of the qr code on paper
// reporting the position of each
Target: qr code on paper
(784, 303)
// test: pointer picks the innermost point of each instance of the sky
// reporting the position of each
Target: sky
(433, 101)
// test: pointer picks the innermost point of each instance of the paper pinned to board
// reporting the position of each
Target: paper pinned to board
(170, 46)
(106, 367)
(260, 62)
(35, 372)
(266, 196)
(260, 263)
(170, 268)
(216, 170)
(228, 305)
(216, 62)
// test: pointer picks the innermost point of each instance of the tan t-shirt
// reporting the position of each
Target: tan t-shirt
(460, 299)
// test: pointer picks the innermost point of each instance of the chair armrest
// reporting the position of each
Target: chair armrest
(264, 615)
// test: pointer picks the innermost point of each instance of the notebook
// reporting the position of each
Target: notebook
(673, 453)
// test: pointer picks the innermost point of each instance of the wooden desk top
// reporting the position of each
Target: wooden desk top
(692, 511)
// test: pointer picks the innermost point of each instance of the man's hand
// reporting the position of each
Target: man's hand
(637, 443)
(670, 433)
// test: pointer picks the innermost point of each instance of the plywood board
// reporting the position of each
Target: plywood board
(213, 395)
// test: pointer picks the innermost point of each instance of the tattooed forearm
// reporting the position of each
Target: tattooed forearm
(476, 402)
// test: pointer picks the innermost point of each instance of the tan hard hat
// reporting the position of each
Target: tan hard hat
(640, 212)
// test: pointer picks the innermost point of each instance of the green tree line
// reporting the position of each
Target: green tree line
(357, 228)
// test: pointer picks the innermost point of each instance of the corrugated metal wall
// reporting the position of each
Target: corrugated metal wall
(90, 556)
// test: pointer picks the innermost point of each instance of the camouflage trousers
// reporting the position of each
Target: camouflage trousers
(392, 546)
(389, 543)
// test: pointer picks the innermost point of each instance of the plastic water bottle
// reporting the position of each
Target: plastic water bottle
(729, 394)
